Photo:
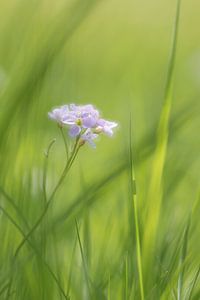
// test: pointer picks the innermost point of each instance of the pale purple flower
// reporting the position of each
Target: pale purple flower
(58, 114)
(84, 122)
(106, 126)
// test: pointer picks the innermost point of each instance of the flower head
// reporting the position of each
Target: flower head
(84, 122)
(58, 114)
(106, 126)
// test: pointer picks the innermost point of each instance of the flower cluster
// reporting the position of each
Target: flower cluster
(84, 122)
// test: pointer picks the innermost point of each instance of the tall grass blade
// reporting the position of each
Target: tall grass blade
(109, 289)
(182, 261)
(83, 261)
(154, 197)
(71, 268)
(194, 282)
(137, 233)
(126, 278)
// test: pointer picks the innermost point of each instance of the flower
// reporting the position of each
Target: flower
(58, 114)
(106, 126)
(84, 122)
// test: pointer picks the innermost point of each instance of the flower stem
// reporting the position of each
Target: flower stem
(45, 170)
(65, 141)
(63, 175)
(39, 221)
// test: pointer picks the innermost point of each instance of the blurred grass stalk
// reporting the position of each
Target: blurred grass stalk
(155, 192)
(138, 247)
(136, 219)
(183, 256)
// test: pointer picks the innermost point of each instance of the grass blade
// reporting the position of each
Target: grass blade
(182, 261)
(137, 233)
(83, 260)
(194, 284)
(154, 196)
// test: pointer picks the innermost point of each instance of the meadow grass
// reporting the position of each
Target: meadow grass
(121, 221)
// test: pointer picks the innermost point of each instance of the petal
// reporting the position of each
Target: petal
(69, 120)
(88, 107)
(89, 136)
(111, 124)
(74, 130)
(57, 114)
(89, 122)
(73, 107)
(108, 130)
(51, 116)
(65, 108)
(92, 144)
(101, 122)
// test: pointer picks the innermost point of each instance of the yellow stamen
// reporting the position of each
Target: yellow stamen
(79, 122)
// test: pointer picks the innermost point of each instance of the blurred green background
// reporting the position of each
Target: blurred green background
(113, 54)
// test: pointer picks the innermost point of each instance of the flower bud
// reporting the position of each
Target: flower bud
(81, 143)
(98, 130)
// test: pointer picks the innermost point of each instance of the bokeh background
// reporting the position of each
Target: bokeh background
(113, 54)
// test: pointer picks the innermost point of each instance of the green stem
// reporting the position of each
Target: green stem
(32, 230)
(45, 170)
(65, 141)
(64, 173)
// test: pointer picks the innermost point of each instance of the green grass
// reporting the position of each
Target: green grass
(108, 232)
